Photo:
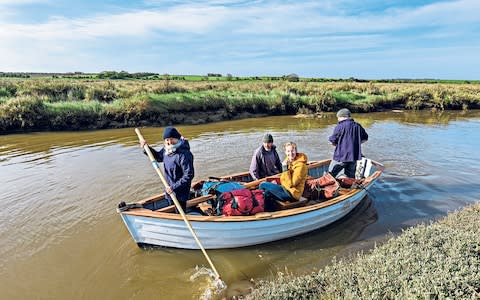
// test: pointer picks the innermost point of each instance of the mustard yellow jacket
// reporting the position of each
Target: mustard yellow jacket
(293, 180)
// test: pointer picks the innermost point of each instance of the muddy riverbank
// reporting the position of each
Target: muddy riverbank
(49, 105)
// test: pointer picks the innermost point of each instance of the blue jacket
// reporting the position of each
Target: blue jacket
(348, 136)
(178, 168)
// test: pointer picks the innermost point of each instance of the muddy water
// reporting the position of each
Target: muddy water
(60, 237)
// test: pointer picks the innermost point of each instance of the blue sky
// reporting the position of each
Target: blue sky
(369, 39)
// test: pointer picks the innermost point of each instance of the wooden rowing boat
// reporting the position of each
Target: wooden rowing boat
(163, 227)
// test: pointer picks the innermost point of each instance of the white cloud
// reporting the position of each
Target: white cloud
(442, 13)
(7, 7)
(20, 2)
(265, 19)
(137, 23)
(259, 31)
(311, 16)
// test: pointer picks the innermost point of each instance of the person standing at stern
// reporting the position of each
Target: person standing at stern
(348, 137)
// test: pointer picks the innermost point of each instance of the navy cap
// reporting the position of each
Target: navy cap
(171, 132)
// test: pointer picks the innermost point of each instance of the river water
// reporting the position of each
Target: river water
(61, 238)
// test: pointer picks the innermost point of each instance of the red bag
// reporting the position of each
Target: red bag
(240, 202)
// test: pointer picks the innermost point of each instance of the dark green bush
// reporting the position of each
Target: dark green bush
(25, 112)
(73, 115)
(7, 89)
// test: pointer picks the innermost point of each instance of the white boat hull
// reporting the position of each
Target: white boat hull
(169, 230)
(214, 235)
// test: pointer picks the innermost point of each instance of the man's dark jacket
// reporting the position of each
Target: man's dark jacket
(348, 136)
(178, 169)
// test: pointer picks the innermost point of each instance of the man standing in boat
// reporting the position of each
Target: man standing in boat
(265, 160)
(177, 165)
(347, 138)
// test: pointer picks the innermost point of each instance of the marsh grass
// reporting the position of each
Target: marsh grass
(436, 261)
(7, 88)
(131, 102)
(22, 112)
(73, 114)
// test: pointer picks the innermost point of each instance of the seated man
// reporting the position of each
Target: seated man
(265, 160)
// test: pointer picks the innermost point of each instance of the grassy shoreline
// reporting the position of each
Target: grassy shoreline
(436, 261)
(61, 104)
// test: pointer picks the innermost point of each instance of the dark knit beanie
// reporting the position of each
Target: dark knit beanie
(344, 112)
(171, 132)
(268, 138)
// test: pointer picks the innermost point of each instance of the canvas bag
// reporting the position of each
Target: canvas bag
(331, 191)
(325, 180)
(324, 187)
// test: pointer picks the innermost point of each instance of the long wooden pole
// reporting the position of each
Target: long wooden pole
(175, 200)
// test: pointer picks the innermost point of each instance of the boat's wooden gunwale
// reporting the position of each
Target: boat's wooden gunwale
(262, 216)
(229, 177)
(278, 214)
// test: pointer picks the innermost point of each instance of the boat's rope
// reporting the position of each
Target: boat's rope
(363, 187)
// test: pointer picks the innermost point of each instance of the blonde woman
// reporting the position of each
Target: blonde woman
(293, 179)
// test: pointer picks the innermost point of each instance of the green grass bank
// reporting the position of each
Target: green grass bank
(436, 261)
(74, 104)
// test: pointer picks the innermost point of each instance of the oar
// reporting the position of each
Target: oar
(174, 198)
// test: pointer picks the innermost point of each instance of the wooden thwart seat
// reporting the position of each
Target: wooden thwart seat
(280, 204)
(343, 191)
(190, 203)
(304, 201)
(291, 204)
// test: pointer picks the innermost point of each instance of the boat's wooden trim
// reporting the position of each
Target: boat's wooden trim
(236, 175)
(291, 204)
(271, 215)
(268, 215)
(152, 199)
(190, 203)
(251, 184)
